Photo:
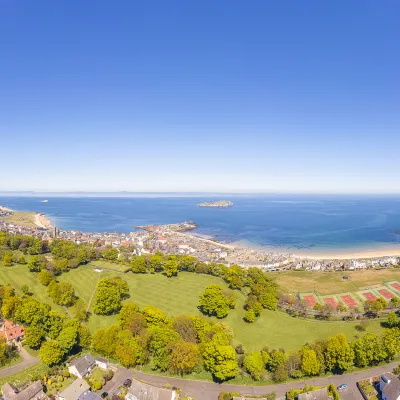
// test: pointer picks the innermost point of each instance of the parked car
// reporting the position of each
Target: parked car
(104, 395)
(343, 386)
(128, 383)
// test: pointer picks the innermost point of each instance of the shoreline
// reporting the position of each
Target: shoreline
(40, 219)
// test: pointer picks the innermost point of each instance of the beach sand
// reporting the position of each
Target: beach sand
(42, 221)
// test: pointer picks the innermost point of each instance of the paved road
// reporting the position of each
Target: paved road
(201, 390)
(27, 361)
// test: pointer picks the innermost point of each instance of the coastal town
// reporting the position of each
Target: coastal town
(180, 238)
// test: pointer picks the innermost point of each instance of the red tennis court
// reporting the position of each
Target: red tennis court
(331, 301)
(349, 301)
(385, 293)
(310, 300)
(396, 286)
(369, 296)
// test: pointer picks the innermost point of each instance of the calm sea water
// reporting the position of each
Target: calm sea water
(281, 222)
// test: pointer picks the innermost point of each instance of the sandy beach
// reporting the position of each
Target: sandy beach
(42, 221)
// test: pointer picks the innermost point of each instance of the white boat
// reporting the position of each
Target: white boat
(44, 201)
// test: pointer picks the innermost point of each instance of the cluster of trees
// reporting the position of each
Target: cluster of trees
(55, 335)
(334, 355)
(24, 243)
(182, 344)
(217, 302)
(109, 295)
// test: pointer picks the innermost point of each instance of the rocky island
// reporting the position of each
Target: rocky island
(219, 204)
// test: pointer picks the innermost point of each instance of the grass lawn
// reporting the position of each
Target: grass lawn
(36, 371)
(110, 265)
(14, 361)
(179, 295)
(26, 219)
(19, 275)
(333, 282)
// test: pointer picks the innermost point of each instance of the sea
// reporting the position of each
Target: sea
(280, 223)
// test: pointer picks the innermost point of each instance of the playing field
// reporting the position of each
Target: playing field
(179, 295)
(326, 283)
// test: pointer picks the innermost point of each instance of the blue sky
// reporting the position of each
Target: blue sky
(235, 96)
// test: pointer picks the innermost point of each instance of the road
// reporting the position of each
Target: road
(201, 390)
(120, 375)
(27, 361)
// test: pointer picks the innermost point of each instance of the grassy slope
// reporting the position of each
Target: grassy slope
(26, 219)
(332, 282)
(180, 294)
(19, 275)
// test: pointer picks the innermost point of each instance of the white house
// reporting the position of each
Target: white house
(82, 366)
(389, 386)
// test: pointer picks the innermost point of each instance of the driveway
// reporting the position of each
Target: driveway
(120, 375)
(27, 361)
(201, 390)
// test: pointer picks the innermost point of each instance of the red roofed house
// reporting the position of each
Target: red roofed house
(12, 332)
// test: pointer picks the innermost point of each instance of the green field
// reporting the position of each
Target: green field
(332, 282)
(26, 219)
(179, 295)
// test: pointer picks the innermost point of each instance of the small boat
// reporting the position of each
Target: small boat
(44, 201)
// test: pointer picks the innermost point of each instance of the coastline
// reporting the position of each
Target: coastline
(39, 219)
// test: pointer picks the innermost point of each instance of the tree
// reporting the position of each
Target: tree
(139, 265)
(7, 260)
(25, 289)
(67, 339)
(391, 342)
(184, 325)
(45, 277)
(250, 316)
(33, 337)
(184, 357)
(339, 354)
(107, 301)
(220, 360)
(154, 316)
(126, 313)
(128, 351)
(170, 268)
(368, 351)
(79, 310)
(104, 341)
(276, 358)
(109, 295)
(215, 302)
(269, 301)
(9, 306)
(254, 365)
(51, 353)
(61, 293)
(160, 343)
(392, 320)
(310, 364)
(35, 263)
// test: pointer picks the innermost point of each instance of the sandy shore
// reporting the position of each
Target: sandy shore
(386, 251)
(42, 221)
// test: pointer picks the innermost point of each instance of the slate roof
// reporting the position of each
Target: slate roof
(320, 394)
(75, 389)
(143, 391)
(88, 395)
(83, 364)
(32, 391)
(392, 389)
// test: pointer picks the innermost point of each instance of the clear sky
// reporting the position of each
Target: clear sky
(235, 96)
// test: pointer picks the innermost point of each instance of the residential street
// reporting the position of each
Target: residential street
(27, 361)
(201, 390)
